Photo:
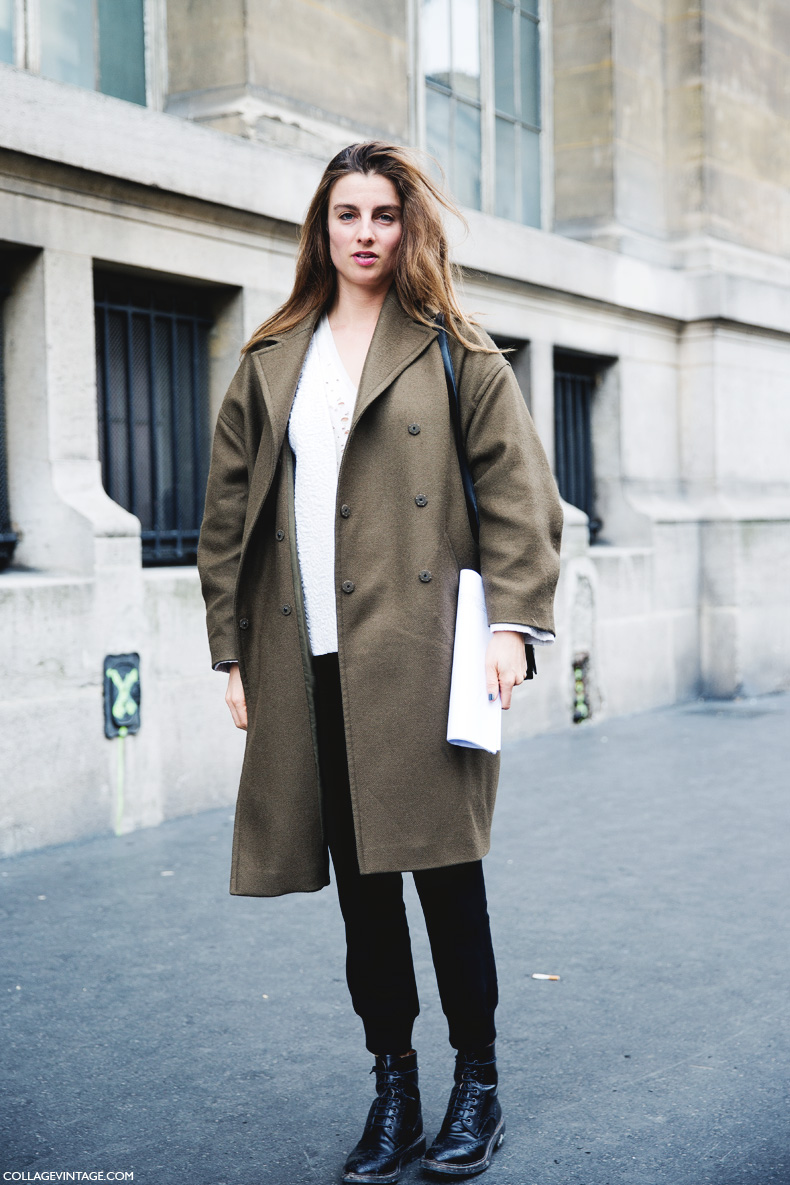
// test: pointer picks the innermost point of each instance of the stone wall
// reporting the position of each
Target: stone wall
(255, 70)
(669, 122)
(747, 168)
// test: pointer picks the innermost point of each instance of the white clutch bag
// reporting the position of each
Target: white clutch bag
(473, 721)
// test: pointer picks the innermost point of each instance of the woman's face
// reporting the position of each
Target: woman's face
(365, 228)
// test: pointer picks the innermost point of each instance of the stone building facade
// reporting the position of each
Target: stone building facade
(625, 175)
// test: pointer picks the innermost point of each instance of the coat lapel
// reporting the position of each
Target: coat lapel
(397, 341)
(279, 366)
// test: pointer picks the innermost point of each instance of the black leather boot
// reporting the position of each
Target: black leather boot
(473, 1127)
(393, 1135)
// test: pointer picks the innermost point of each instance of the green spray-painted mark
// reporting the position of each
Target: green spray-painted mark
(124, 704)
(121, 771)
(581, 694)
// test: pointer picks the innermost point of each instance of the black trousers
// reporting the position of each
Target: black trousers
(379, 966)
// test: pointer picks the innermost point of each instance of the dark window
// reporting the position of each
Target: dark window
(152, 368)
(7, 535)
(574, 384)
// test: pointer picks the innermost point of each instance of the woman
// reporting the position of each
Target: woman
(334, 532)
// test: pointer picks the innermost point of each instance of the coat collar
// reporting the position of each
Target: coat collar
(397, 340)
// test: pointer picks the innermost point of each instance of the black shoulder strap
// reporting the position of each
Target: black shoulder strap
(466, 476)
(455, 419)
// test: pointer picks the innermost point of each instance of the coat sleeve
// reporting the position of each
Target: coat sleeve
(520, 511)
(219, 546)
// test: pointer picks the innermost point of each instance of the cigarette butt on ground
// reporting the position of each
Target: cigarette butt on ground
(540, 975)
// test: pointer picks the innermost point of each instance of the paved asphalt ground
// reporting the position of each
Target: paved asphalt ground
(154, 1024)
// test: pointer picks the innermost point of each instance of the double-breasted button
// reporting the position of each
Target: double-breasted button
(286, 610)
(348, 586)
(345, 510)
(279, 535)
(425, 576)
(414, 429)
(421, 500)
(243, 623)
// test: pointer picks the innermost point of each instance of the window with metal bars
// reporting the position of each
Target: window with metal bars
(152, 370)
(574, 384)
(8, 537)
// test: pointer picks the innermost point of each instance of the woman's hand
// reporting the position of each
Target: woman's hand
(506, 664)
(234, 698)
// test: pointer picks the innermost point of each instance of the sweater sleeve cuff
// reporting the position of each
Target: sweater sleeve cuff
(534, 636)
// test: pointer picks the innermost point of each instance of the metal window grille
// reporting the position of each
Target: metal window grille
(152, 368)
(573, 395)
(8, 537)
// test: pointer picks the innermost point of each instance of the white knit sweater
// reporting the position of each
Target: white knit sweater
(317, 430)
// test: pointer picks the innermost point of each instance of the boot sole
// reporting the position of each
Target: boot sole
(468, 1170)
(411, 1153)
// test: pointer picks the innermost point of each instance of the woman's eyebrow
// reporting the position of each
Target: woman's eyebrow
(376, 209)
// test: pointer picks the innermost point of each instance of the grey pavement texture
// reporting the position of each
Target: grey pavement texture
(155, 1024)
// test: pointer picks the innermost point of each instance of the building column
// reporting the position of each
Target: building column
(66, 521)
(541, 385)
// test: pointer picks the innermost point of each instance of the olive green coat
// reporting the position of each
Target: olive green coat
(418, 802)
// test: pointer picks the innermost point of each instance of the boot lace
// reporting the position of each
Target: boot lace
(388, 1104)
(465, 1097)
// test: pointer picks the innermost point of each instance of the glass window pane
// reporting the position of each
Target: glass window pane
(530, 177)
(437, 127)
(6, 31)
(122, 50)
(504, 80)
(466, 48)
(466, 157)
(530, 72)
(435, 38)
(529, 6)
(67, 52)
(506, 198)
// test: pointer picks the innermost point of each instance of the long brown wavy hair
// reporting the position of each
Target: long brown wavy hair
(424, 276)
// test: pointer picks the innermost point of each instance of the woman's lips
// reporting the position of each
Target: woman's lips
(365, 258)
